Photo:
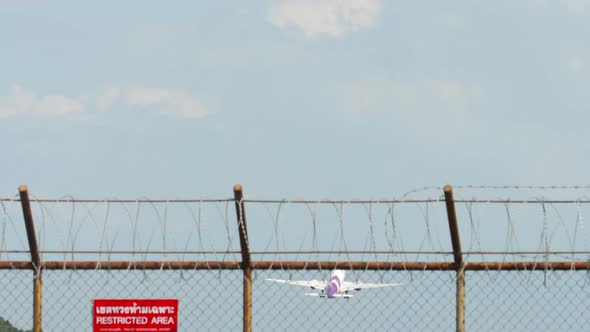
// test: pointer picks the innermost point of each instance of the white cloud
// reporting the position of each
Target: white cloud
(412, 95)
(576, 61)
(20, 101)
(417, 105)
(106, 99)
(331, 18)
(146, 96)
(580, 8)
(170, 102)
(58, 105)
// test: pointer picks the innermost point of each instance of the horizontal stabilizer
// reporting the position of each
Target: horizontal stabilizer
(347, 286)
(314, 284)
(324, 295)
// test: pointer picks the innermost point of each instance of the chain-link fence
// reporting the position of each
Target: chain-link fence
(208, 300)
(526, 263)
(16, 299)
(211, 300)
(528, 301)
(424, 302)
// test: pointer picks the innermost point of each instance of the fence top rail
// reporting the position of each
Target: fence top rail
(115, 200)
(298, 265)
(297, 252)
(303, 201)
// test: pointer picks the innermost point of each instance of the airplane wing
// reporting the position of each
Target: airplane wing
(315, 284)
(348, 286)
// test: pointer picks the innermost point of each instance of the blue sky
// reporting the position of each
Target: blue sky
(338, 99)
(315, 99)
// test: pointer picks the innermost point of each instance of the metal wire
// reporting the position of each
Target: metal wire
(188, 249)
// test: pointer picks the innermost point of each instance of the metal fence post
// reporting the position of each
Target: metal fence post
(35, 258)
(246, 264)
(458, 257)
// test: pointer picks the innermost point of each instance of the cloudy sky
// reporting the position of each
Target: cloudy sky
(292, 98)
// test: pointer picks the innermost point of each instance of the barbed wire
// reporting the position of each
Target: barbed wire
(403, 230)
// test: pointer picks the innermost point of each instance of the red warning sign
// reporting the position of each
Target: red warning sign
(135, 315)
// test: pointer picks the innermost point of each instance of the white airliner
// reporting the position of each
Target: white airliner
(334, 287)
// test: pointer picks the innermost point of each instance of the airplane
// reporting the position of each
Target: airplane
(335, 287)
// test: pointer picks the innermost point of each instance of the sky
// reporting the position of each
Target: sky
(337, 99)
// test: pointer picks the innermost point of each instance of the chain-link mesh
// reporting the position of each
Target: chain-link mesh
(425, 302)
(208, 300)
(528, 301)
(211, 300)
(16, 300)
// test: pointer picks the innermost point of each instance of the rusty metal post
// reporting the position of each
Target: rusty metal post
(458, 257)
(35, 258)
(460, 323)
(246, 264)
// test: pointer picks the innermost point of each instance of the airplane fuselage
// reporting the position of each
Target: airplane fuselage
(334, 284)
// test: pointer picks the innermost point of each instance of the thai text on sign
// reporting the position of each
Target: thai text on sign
(135, 315)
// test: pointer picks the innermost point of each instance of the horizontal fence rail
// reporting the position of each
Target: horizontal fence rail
(298, 265)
